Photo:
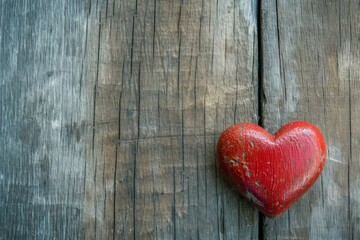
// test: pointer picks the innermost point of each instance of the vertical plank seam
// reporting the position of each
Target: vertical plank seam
(81, 76)
(260, 97)
(94, 118)
(261, 67)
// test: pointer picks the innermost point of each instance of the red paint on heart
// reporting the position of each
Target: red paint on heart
(271, 171)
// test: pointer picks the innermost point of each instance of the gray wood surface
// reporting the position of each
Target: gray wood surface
(110, 112)
(45, 118)
(311, 72)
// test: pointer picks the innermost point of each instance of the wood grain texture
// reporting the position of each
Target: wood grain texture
(110, 112)
(44, 118)
(310, 50)
(172, 75)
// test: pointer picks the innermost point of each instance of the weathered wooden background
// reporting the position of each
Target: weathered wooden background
(111, 109)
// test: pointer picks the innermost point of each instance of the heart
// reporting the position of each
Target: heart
(271, 171)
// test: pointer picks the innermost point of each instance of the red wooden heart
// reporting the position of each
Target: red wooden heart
(271, 171)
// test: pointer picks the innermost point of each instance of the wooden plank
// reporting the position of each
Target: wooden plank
(309, 53)
(188, 72)
(349, 62)
(44, 118)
